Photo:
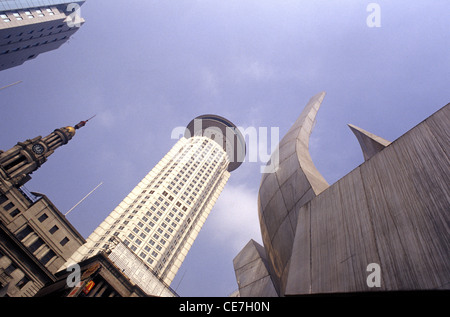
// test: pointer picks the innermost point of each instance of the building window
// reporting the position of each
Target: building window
(8, 206)
(64, 241)
(53, 229)
(3, 198)
(14, 213)
(42, 217)
(17, 16)
(47, 257)
(5, 18)
(22, 234)
(11, 268)
(35, 245)
(22, 282)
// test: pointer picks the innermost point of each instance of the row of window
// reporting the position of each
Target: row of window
(36, 244)
(53, 229)
(10, 269)
(58, 29)
(27, 230)
(178, 182)
(189, 175)
(156, 238)
(28, 14)
(168, 223)
(9, 207)
(29, 46)
(181, 157)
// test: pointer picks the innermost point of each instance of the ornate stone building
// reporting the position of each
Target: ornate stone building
(35, 237)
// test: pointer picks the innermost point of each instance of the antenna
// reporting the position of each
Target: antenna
(180, 280)
(82, 123)
(83, 199)
(17, 82)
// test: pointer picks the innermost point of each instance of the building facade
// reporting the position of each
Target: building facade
(99, 277)
(161, 217)
(35, 238)
(31, 27)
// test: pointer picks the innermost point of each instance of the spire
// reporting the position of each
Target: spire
(17, 163)
(83, 123)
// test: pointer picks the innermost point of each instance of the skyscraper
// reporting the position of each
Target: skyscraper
(31, 27)
(161, 217)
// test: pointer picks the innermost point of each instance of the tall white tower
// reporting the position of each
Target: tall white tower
(161, 217)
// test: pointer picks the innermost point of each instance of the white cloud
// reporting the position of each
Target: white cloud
(209, 81)
(246, 69)
(258, 71)
(234, 218)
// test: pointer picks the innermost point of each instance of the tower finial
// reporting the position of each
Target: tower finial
(83, 123)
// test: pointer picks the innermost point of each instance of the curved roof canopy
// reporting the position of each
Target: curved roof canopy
(224, 132)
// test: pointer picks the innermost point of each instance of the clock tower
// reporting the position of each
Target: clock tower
(17, 163)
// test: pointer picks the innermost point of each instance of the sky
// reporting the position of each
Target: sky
(145, 68)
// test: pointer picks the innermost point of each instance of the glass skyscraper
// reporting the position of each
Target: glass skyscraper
(161, 217)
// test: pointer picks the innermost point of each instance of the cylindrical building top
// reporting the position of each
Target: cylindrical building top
(222, 131)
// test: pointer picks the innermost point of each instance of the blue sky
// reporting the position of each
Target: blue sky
(146, 67)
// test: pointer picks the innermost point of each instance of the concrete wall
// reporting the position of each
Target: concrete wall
(252, 273)
(393, 210)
